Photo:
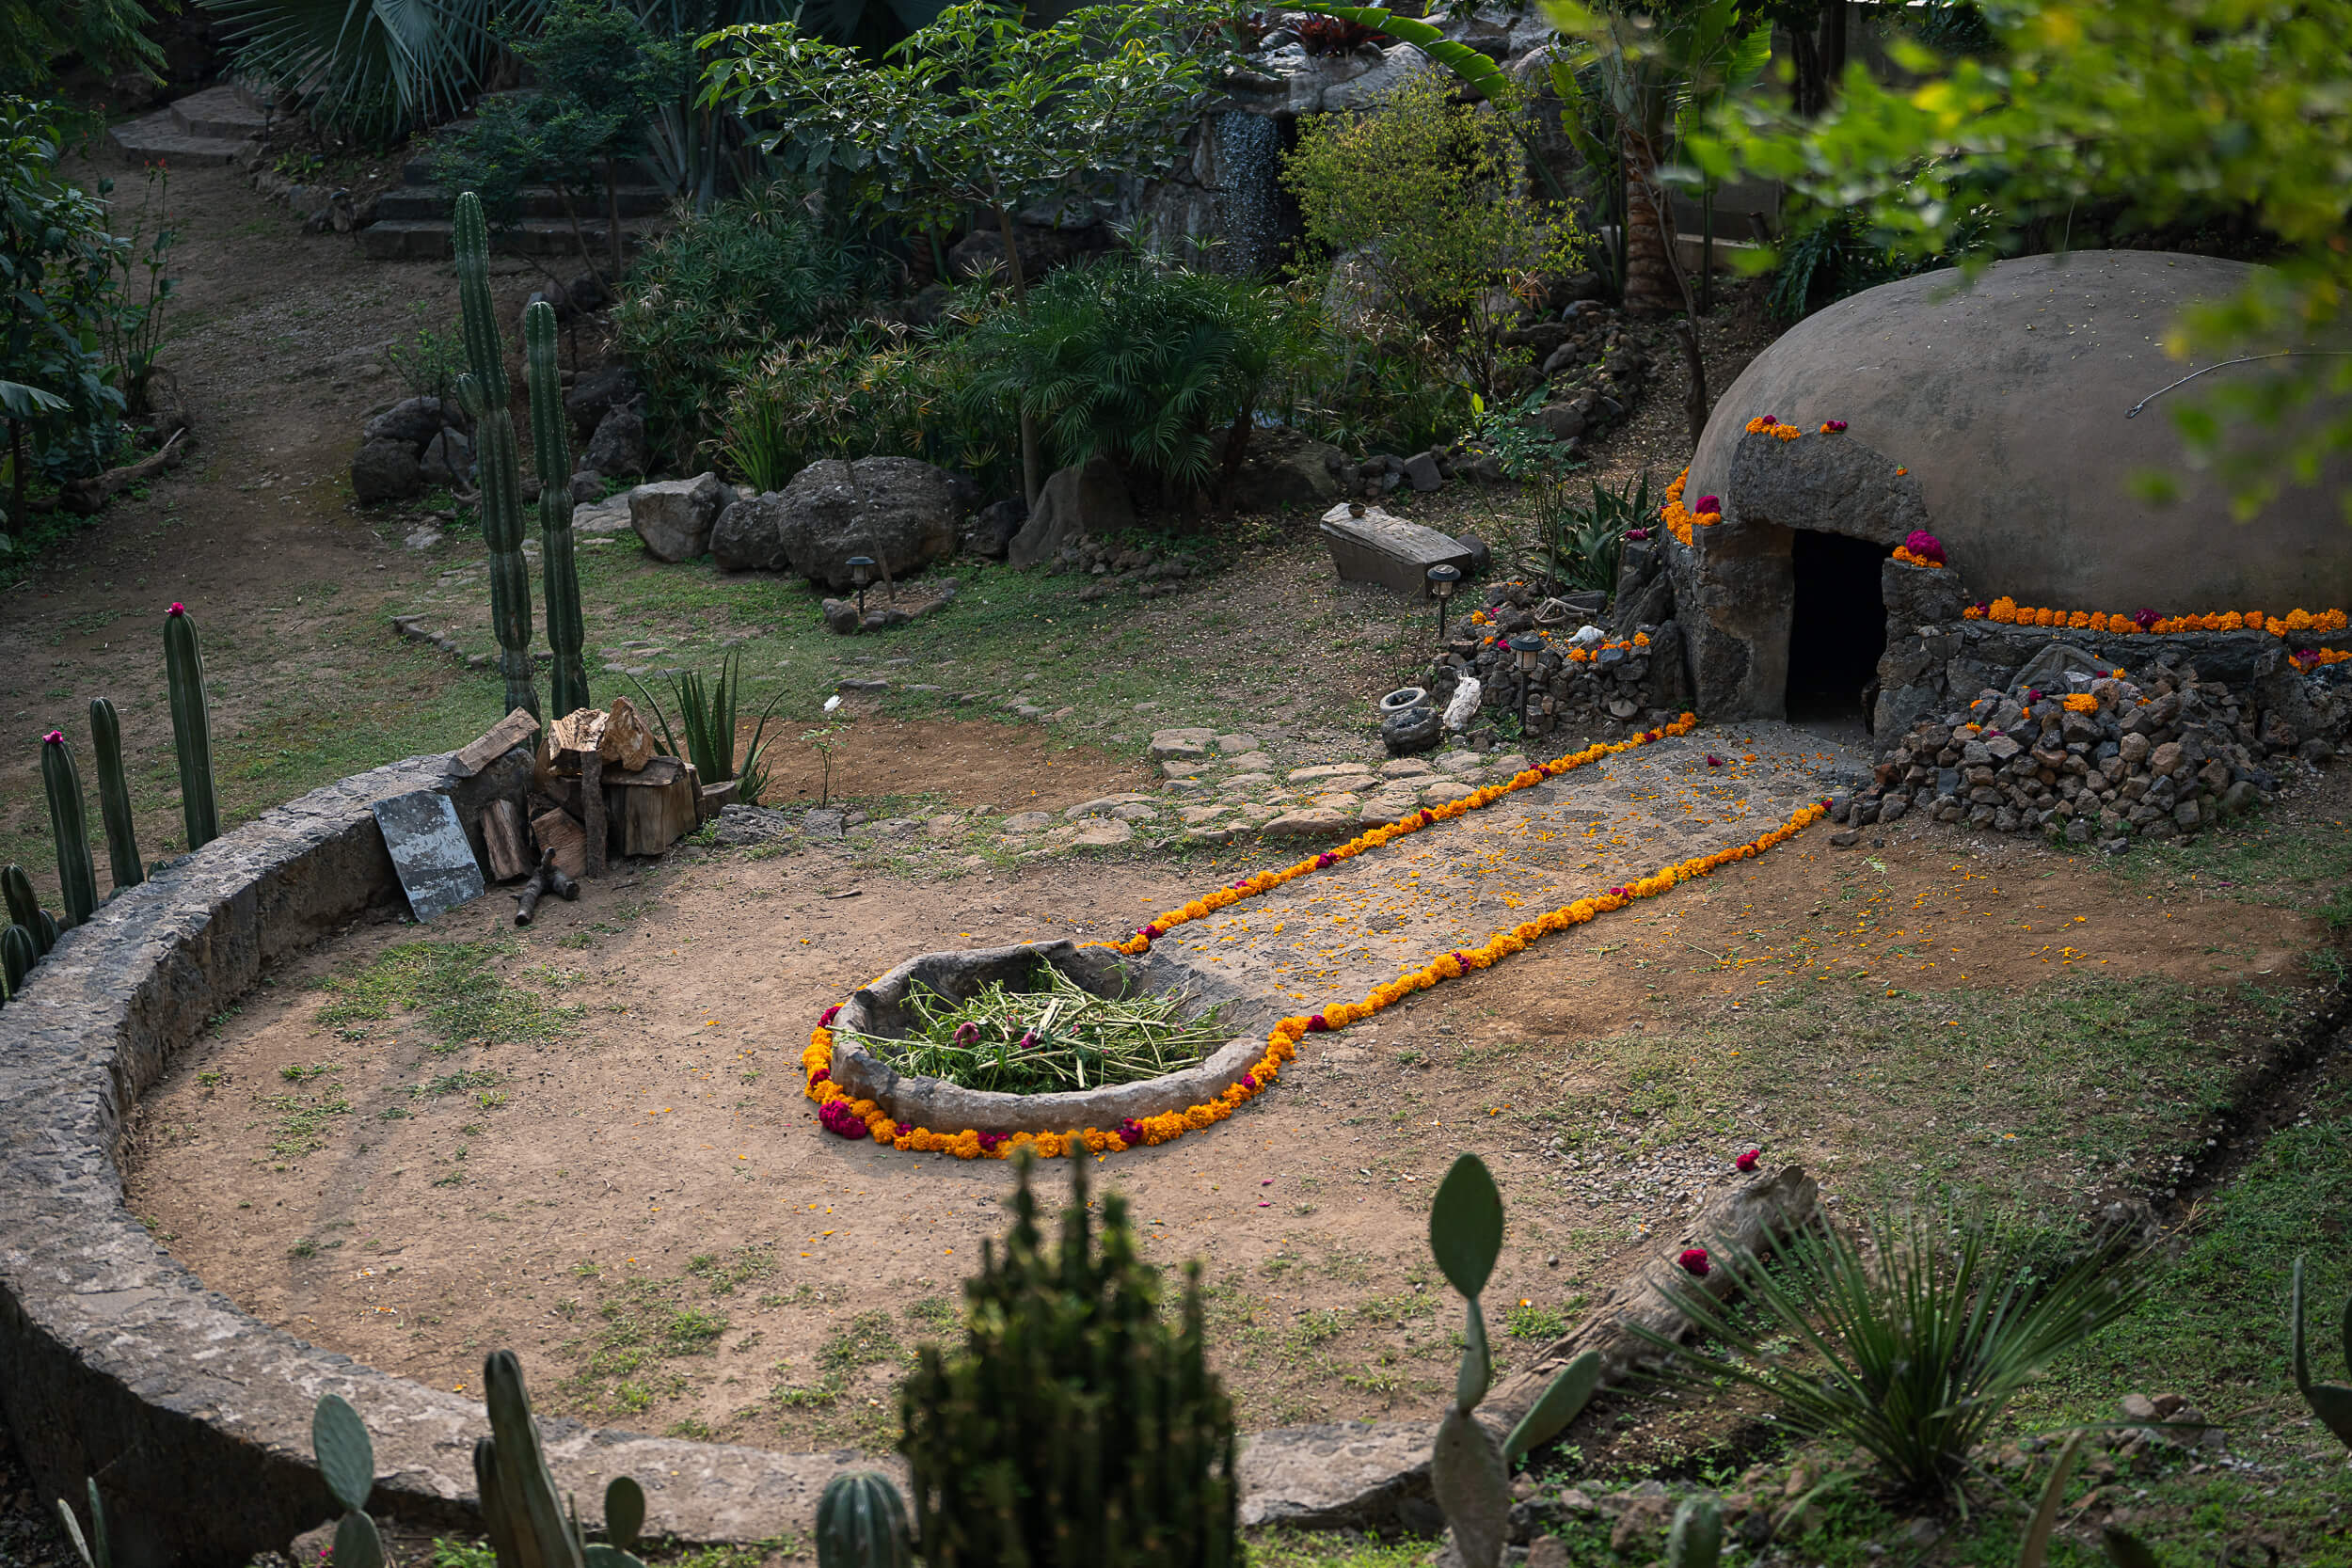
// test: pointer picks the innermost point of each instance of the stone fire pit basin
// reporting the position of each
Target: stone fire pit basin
(880, 1010)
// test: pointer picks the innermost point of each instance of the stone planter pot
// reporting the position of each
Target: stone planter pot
(880, 1012)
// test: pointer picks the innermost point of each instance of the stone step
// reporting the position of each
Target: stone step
(221, 112)
(633, 172)
(425, 240)
(432, 203)
(158, 138)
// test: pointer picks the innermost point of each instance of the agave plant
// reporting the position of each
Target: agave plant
(1912, 1352)
(706, 712)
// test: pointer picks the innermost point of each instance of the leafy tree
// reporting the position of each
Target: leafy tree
(1428, 197)
(974, 110)
(2174, 109)
(58, 275)
(108, 34)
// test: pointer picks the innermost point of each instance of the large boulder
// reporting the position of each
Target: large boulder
(991, 529)
(1299, 473)
(1075, 502)
(413, 420)
(618, 448)
(675, 516)
(448, 459)
(2010, 404)
(592, 396)
(386, 470)
(900, 511)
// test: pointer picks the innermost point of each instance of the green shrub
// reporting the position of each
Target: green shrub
(723, 294)
(1912, 1351)
(1158, 368)
(429, 364)
(882, 392)
(1425, 199)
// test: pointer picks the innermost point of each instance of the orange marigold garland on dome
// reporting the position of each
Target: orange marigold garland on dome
(2008, 612)
(856, 1117)
(1681, 519)
(1765, 424)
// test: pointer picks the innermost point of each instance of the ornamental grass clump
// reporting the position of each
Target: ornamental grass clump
(1051, 1035)
(1912, 1350)
(1075, 1425)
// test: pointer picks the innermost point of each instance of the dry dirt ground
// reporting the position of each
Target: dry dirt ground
(377, 1150)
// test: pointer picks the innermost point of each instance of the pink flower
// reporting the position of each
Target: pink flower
(1713, 761)
(1130, 1133)
(177, 608)
(1028, 1041)
(821, 1075)
(1924, 545)
(831, 1013)
(1250, 1082)
(2146, 618)
(55, 737)
(1833, 426)
(838, 1119)
(1616, 892)
(1318, 1025)
(1324, 859)
(1637, 534)
(1693, 1262)
(968, 1035)
(1708, 504)
(1748, 1158)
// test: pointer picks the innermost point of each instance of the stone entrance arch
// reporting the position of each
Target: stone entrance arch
(1736, 585)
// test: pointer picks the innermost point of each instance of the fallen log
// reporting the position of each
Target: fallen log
(1747, 1221)
(85, 496)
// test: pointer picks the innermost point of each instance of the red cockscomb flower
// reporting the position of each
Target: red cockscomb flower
(1748, 1158)
(1693, 1262)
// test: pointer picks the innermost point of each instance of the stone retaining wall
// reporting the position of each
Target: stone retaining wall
(118, 1363)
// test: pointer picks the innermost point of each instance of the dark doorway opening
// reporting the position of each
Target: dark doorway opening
(1836, 631)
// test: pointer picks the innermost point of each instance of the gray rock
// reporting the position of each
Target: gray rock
(1420, 472)
(414, 420)
(899, 511)
(587, 485)
(1414, 731)
(597, 394)
(618, 449)
(675, 516)
(386, 470)
(448, 459)
(740, 825)
(992, 528)
(825, 822)
(1561, 420)
(1077, 501)
(841, 616)
(1299, 475)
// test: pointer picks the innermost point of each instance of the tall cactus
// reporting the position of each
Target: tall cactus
(191, 727)
(552, 453)
(25, 910)
(18, 955)
(528, 1527)
(114, 794)
(482, 391)
(77, 879)
(1467, 1469)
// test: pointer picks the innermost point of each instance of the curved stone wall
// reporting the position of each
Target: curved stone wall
(118, 1363)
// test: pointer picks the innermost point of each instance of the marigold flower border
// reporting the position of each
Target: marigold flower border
(1283, 1042)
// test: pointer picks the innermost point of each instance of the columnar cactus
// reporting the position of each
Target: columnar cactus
(552, 453)
(24, 909)
(1695, 1539)
(1467, 1469)
(1075, 1425)
(18, 955)
(527, 1525)
(191, 727)
(861, 1523)
(482, 391)
(78, 881)
(2331, 1401)
(114, 794)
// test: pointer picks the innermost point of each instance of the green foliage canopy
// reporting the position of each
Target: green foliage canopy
(2177, 107)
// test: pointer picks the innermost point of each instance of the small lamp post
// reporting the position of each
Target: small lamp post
(1527, 647)
(861, 572)
(1442, 581)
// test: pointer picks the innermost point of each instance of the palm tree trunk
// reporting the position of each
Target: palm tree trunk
(1652, 279)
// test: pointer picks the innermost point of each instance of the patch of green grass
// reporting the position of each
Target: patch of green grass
(2266, 858)
(935, 1313)
(721, 1275)
(1284, 1548)
(301, 1124)
(1527, 1321)
(453, 986)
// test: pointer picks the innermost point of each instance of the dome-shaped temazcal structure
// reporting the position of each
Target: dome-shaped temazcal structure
(1994, 418)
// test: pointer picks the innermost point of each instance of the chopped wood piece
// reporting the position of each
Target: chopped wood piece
(592, 802)
(503, 836)
(648, 819)
(627, 742)
(657, 773)
(716, 798)
(494, 742)
(580, 730)
(548, 879)
(561, 835)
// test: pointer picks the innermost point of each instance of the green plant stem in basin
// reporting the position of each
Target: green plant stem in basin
(1055, 1034)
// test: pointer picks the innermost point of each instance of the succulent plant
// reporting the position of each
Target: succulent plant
(346, 1461)
(16, 890)
(552, 454)
(18, 955)
(114, 796)
(77, 879)
(1696, 1539)
(93, 1549)
(861, 1523)
(1074, 1425)
(1470, 1471)
(527, 1528)
(191, 727)
(2331, 1401)
(482, 391)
